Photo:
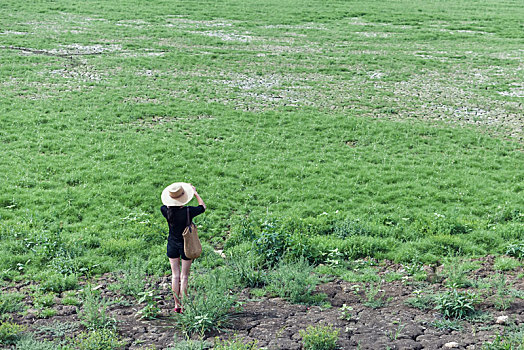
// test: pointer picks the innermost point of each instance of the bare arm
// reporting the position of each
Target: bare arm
(199, 199)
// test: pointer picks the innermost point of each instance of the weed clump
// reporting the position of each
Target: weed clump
(456, 304)
(319, 338)
(208, 306)
(295, 282)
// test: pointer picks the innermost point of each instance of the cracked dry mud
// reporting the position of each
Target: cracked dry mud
(275, 323)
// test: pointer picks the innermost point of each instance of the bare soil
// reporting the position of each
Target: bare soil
(275, 323)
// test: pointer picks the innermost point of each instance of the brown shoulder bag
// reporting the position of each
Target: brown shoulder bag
(192, 245)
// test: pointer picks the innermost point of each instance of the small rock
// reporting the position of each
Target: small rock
(451, 345)
(470, 347)
(502, 320)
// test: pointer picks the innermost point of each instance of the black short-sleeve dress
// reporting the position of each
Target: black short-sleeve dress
(177, 221)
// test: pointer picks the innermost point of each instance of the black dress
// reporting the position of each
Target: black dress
(177, 221)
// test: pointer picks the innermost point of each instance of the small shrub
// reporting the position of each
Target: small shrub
(59, 283)
(236, 343)
(70, 300)
(46, 313)
(456, 304)
(272, 242)
(449, 325)
(11, 302)
(94, 314)
(29, 343)
(319, 338)
(42, 301)
(208, 305)
(131, 279)
(511, 338)
(374, 296)
(506, 264)
(99, 339)
(421, 301)
(294, 282)
(151, 310)
(502, 298)
(57, 329)
(10, 333)
(456, 273)
(246, 271)
(516, 250)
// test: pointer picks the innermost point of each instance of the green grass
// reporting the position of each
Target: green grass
(402, 116)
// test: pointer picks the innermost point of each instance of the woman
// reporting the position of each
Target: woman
(175, 197)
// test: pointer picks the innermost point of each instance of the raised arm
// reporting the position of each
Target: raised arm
(199, 199)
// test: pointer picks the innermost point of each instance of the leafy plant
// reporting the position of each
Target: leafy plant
(272, 242)
(511, 338)
(444, 324)
(246, 271)
(516, 250)
(30, 343)
(420, 300)
(237, 343)
(57, 329)
(191, 345)
(131, 279)
(58, 283)
(503, 263)
(394, 334)
(94, 314)
(208, 305)
(374, 296)
(150, 310)
(99, 339)
(10, 302)
(10, 333)
(46, 313)
(346, 312)
(456, 304)
(41, 301)
(319, 337)
(502, 298)
(456, 273)
(294, 282)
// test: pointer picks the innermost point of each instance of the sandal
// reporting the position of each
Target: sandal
(178, 310)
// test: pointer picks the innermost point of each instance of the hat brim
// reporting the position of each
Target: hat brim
(182, 200)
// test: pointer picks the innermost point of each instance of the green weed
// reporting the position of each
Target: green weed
(294, 282)
(11, 302)
(208, 306)
(94, 314)
(237, 343)
(421, 300)
(98, 339)
(374, 296)
(506, 264)
(10, 333)
(511, 338)
(319, 337)
(456, 304)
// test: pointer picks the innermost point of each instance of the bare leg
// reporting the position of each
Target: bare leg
(186, 264)
(175, 279)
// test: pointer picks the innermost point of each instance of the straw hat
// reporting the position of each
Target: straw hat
(177, 194)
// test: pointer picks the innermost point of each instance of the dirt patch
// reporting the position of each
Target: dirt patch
(275, 323)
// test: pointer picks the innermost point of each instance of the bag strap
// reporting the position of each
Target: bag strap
(188, 222)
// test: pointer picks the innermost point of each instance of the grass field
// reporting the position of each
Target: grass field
(404, 116)
(330, 130)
